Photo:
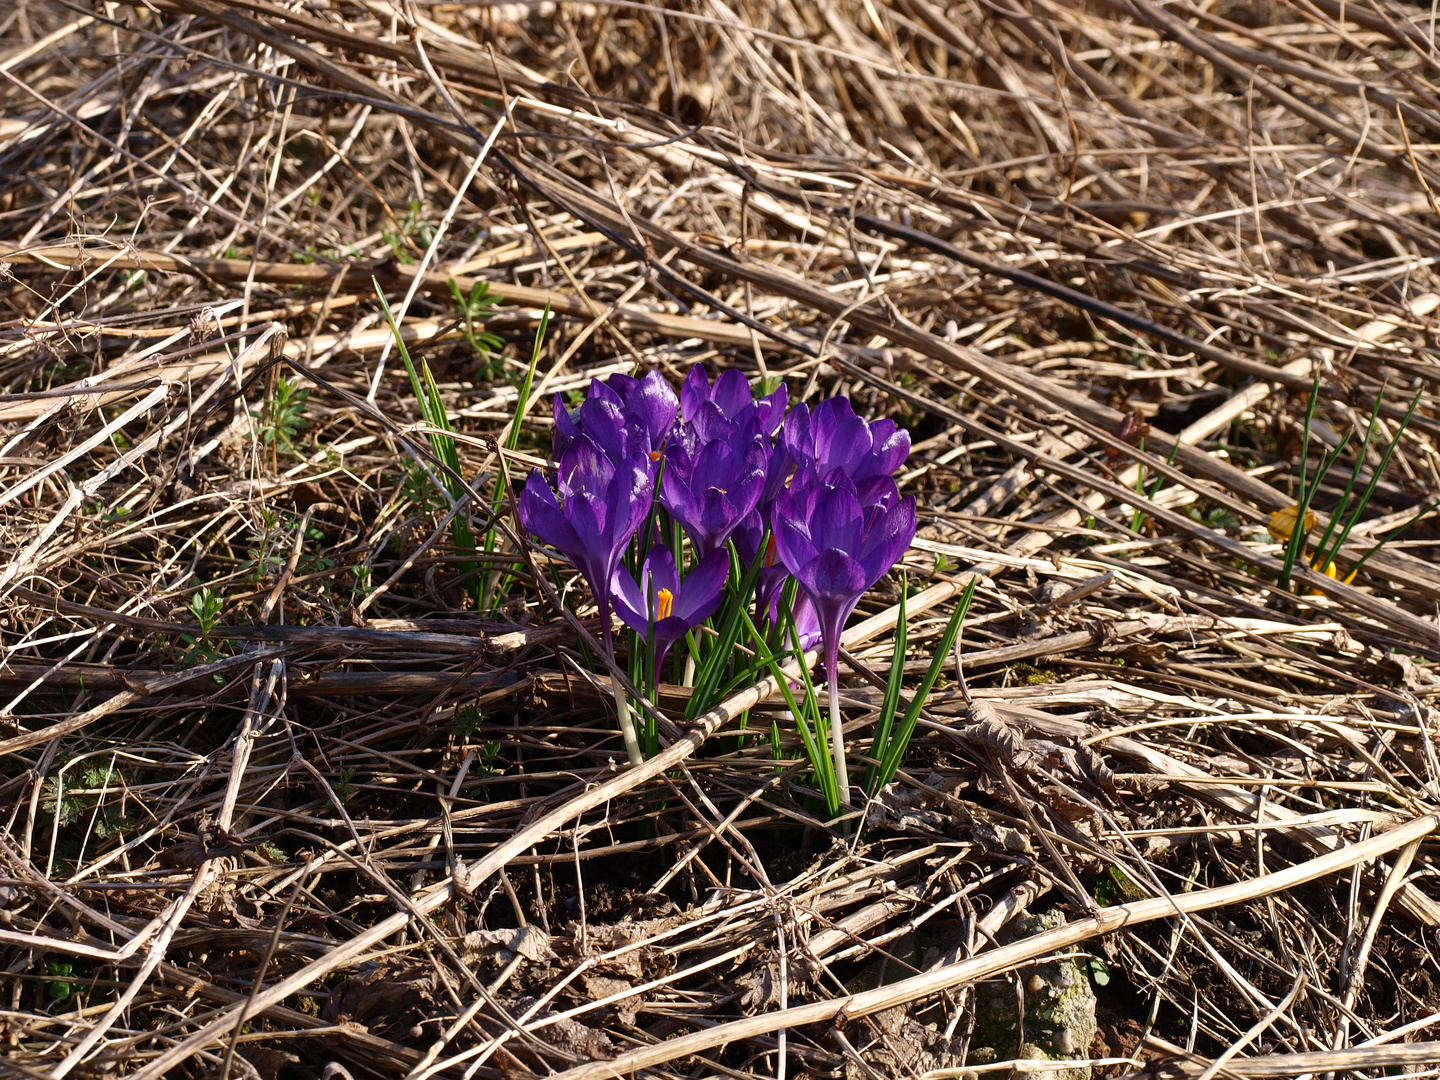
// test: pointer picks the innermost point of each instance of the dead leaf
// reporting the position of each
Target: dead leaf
(265, 1060)
(529, 942)
(600, 987)
(384, 998)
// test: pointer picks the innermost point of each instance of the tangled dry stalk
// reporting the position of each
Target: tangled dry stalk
(280, 802)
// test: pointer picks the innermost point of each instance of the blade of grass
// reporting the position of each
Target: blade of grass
(497, 587)
(1360, 506)
(891, 702)
(712, 670)
(895, 751)
(432, 409)
(812, 734)
(1320, 557)
(1388, 537)
(1302, 495)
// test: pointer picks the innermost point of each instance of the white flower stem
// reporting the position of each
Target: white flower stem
(689, 677)
(627, 725)
(837, 739)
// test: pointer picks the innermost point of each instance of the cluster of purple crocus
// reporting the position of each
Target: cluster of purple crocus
(815, 488)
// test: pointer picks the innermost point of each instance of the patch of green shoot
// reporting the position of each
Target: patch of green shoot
(891, 741)
(1325, 555)
(498, 585)
(442, 442)
(474, 309)
(282, 418)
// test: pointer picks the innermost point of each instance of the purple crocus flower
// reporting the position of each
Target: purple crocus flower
(837, 547)
(833, 438)
(731, 396)
(604, 504)
(628, 416)
(711, 486)
(650, 403)
(662, 601)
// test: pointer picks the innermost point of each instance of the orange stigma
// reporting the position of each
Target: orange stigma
(656, 455)
(770, 553)
(664, 600)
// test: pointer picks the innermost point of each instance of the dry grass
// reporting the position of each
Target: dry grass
(279, 801)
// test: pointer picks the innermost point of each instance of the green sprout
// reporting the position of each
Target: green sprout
(478, 306)
(281, 420)
(1292, 524)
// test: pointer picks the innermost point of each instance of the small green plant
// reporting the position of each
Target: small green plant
(475, 308)
(56, 804)
(60, 973)
(1138, 518)
(419, 491)
(467, 721)
(412, 234)
(262, 560)
(281, 420)
(65, 804)
(345, 788)
(1115, 887)
(205, 607)
(272, 851)
(1324, 560)
(1099, 971)
(364, 575)
(313, 559)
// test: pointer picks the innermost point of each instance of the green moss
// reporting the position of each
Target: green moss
(1031, 675)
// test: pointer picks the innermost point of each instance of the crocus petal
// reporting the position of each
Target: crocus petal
(701, 593)
(890, 450)
(660, 573)
(792, 532)
(603, 420)
(589, 516)
(694, 392)
(565, 431)
(771, 410)
(653, 404)
(842, 439)
(836, 522)
(629, 494)
(675, 493)
(876, 491)
(711, 425)
(834, 582)
(584, 467)
(795, 433)
(541, 515)
(892, 536)
(622, 386)
(731, 393)
(747, 535)
(629, 600)
(833, 577)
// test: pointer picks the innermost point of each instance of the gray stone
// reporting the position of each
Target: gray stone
(1059, 1010)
